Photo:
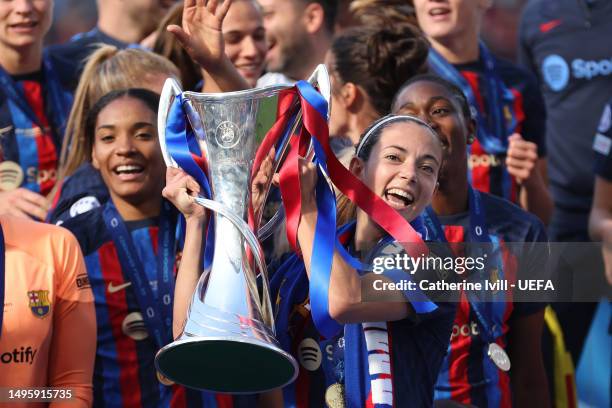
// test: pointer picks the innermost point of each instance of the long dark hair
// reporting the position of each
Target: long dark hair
(149, 98)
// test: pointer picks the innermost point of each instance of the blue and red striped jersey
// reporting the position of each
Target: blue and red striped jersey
(390, 364)
(33, 148)
(487, 171)
(124, 373)
(468, 375)
(38, 150)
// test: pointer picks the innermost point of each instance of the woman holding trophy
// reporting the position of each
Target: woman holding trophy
(398, 158)
(121, 139)
(131, 252)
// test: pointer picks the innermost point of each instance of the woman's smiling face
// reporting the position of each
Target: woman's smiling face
(402, 167)
(126, 150)
(23, 23)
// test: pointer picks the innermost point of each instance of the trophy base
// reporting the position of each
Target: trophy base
(226, 365)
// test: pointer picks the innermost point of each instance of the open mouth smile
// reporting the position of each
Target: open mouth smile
(127, 172)
(398, 198)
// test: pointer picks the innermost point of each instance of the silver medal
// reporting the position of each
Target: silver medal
(499, 356)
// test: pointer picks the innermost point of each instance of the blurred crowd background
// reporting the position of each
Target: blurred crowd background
(500, 23)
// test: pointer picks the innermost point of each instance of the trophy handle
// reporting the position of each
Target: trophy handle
(319, 79)
(252, 241)
(170, 91)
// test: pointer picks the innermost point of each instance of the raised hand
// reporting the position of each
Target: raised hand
(308, 184)
(179, 190)
(261, 180)
(201, 34)
(521, 159)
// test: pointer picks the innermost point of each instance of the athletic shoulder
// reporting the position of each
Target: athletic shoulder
(89, 229)
(46, 243)
(79, 193)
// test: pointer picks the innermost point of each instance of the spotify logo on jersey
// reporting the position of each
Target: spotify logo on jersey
(309, 354)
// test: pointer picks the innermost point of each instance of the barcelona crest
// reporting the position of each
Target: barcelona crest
(39, 302)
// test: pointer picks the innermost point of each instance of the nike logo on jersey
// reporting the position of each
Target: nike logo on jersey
(549, 25)
(114, 289)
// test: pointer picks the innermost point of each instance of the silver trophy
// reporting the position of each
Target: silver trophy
(228, 343)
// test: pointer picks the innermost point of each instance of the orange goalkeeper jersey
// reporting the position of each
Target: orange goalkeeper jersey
(48, 336)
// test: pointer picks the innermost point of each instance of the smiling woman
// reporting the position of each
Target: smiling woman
(243, 36)
(398, 159)
(245, 40)
(122, 137)
(469, 374)
(130, 251)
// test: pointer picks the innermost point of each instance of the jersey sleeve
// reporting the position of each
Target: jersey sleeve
(73, 347)
(602, 144)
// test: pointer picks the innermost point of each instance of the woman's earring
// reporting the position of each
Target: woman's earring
(471, 139)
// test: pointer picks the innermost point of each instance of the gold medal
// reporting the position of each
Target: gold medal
(499, 356)
(334, 396)
(164, 380)
(11, 175)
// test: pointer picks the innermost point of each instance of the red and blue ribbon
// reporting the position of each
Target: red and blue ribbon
(179, 139)
(315, 130)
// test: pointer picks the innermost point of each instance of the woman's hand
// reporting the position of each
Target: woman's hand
(308, 183)
(521, 159)
(261, 180)
(24, 203)
(179, 190)
(201, 34)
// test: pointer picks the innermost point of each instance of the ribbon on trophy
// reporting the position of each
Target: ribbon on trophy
(179, 137)
(315, 130)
